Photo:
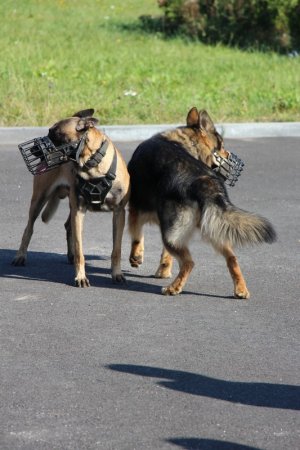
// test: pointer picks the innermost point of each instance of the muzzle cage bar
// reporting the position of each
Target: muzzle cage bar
(229, 168)
(41, 155)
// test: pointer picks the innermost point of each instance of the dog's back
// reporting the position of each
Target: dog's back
(159, 169)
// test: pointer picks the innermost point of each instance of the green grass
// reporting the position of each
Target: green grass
(58, 56)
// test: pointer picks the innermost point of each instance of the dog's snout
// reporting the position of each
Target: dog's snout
(223, 152)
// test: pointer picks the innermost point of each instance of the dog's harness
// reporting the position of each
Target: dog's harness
(95, 190)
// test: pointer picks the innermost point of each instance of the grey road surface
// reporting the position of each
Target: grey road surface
(123, 367)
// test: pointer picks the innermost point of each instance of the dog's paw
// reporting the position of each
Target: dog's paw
(82, 282)
(163, 272)
(119, 278)
(242, 294)
(170, 290)
(19, 261)
(136, 260)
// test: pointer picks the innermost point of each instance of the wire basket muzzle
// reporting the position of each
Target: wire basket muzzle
(229, 168)
(41, 155)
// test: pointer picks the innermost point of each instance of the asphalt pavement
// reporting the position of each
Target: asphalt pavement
(123, 367)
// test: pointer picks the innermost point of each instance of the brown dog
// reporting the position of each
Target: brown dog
(97, 161)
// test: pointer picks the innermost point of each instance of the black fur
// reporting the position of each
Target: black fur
(162, 172)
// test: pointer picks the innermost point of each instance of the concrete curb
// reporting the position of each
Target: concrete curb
(125, 133)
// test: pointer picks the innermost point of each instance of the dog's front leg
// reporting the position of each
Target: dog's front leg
(118, 228)
(77, 216)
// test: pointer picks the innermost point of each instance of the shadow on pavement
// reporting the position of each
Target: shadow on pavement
(54, 268)
(43, 266)
(266, 395)
(207, 444)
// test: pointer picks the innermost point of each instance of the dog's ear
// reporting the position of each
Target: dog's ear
(192, 119)
(205, 121)
(86, 123)
(84, 113)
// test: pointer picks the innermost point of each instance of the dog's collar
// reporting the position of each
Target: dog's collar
(96, 157)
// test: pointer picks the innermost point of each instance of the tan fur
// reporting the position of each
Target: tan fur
(135, 226)
(197, 141)
(58, 183)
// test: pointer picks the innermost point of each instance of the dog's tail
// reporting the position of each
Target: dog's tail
(50, 209)
(53, 202)
(223, 223)
(235, 227)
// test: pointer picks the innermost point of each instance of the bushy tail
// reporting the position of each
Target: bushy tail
(230, 225)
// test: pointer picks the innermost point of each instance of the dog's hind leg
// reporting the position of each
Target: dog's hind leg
(70, 243)
(118, 228)
(240, 288)
(177, 226)
(186, 265)
(165, 265)
(60, 193)
(36, 205)
(135, 226)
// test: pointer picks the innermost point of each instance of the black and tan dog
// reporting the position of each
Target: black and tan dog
(96, 157)
(171, 188)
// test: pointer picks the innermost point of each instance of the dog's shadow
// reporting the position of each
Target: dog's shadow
(267, 395)
(41, 266)
(53, 267)
(207, 444)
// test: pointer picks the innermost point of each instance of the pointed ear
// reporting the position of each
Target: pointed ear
(84, 124)
(205, 121)
(84, 113)
(192, 119)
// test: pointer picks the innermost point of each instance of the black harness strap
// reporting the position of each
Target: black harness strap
(97, 157)
(95, 190)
